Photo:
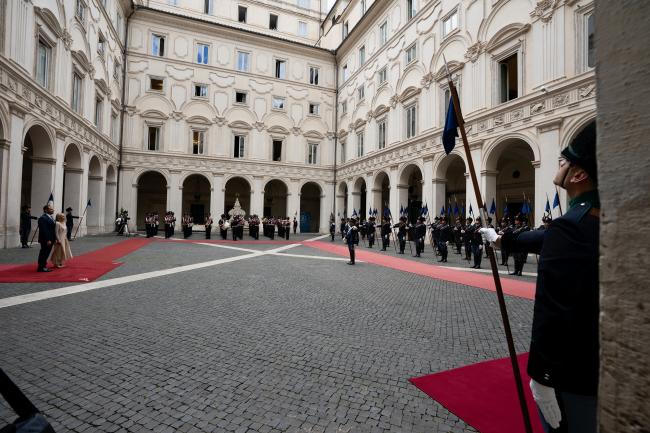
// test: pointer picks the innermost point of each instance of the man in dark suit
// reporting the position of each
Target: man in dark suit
(46, 237)
(69, 222)
(25, 224)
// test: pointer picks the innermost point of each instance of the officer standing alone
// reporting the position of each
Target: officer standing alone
(352, 238)
(564, 349)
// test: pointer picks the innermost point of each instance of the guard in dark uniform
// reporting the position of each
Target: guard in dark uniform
(402, 234)
(295, 225)
(445, 235)
(546, 221)
(332, 229)
(564, 350)
(342, 225)
(467, 238)
(156, 223)
(420, 233)
(25, 224)
(287, 228)
(223, 227)
(208, 226)
(69, 222)
(458, 237)
(476, 242)
(385, 232)
(519, 256)
(370, 227)
(506, 227)
(352, 238)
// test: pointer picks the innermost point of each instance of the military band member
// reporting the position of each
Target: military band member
(147, 224)
(223, 226)
(506, 228)
(332, 229)
(385, 231)
(352, 238)
(208, 226)
(287, 228)
(370, 229)
(520, 257)
(295, 225)
(476, 241)
(156, 223)
(254, 227)
(445, 234)
(402, 228)
(187, 222)
(490, 226)
(420, 234)
(342, 226)
(169, 224)
(467, 238)
(458, 237)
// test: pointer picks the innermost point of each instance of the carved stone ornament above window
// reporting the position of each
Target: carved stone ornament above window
(426, 80)
(259, 126)
(474, 51)
(544, 10)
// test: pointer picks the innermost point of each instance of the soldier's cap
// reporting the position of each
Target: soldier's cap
(489, 219)
(68, 209)
(582, 151)
(469, 219)
(546, 219)
(421, 218)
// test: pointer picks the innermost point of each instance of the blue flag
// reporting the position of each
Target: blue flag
(524, 208)
(505, 208)
(493, 208)
(463, 210)
(88, 204)
(386, 212)
(426, 210)
(51, 198)
(456, 211)
(442, 210)
(370, 211)
(450, 132)
(401, 210)
(471, 211)
(548, 206)
(556, 200)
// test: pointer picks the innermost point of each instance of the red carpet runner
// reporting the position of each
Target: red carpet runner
(86, 267)
(483, 395)
(522, 289)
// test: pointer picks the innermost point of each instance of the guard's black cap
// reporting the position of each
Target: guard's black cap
(69, 209)
(582, 151)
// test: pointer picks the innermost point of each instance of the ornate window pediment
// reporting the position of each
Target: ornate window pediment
(155, 114)
(50, 20)
(199, 120)
(313, 135)
(277, 129)
(380, 110)
(240, 124)
(453, 65)
(102, 86)
(81, 60)
(506, 34)
(409, 93)
(359, 123)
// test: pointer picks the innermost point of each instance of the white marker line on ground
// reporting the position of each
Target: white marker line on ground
(316, 238)
(79, 288)
(303, 256)
(228, 247)
(487, 271)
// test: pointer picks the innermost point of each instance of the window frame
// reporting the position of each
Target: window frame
(98, 115)
(163, 38)
(208, 7)
(508, 49)
(312, 153)
(309, 109)
(300, 33)
(201, 85)
(314, 77)
(248, 60)
(277, 21)
(342, 155)
(279, 98)
(360, 143)
(277, 71)
(383, 71)
(115, 126)
(275, 139)
(241, 145)
(243, 92)
(197, 49)
(383, 34)
(155, 77)
(201, 148)
(447, 18)
(49, 61)
(78, 107)
(582, 38)
(407, 108)
(411, 48)
(382, 122)
(362, 55)
(361, 92)
(412, 11)
(158, 145)
(241, 8)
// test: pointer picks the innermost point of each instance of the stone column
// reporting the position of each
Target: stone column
(257, 197)
(439, 187)
(546, 167)
(326, 207)
(489, 187)
(293, 200)
(4, 174)
(393, 194)
(13, 185)
(427, 186)
(175, 194)
(217, 196)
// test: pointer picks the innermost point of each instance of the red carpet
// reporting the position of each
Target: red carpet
(86, 267)
(484, 395)
(522, 289)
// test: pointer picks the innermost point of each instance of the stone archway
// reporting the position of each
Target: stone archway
(152, 196)
(196, 197)
(451, 187)
(38, 168)
(513, 177)
(72, 180)
(109, 198)
(360, 198)
(310, 207)
(275, 199)
(237, 188)
(95, 180)
(410, 191)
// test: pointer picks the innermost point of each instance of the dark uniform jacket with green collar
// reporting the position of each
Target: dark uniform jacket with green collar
(564, 342)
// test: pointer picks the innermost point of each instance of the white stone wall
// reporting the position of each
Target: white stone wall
(46, 114)
(556, 92)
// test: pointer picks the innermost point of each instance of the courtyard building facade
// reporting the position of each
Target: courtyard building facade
(190, 105)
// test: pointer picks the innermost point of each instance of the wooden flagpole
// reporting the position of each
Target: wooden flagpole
(493, 262)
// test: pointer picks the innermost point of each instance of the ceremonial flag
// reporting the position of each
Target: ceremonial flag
(442, 210)
(493, 208)
(50, 201)
(556, 200)
(463, 210)
(401, 210)
(524, 208)
(425, 211)
(471, 211)
(354, 213)
(548, 206)
(88, 204)
(370, 211)
(387, 212)
(450, 132)
(456, 210)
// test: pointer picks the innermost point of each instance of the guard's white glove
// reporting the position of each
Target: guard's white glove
(489, 235)
(547, 402)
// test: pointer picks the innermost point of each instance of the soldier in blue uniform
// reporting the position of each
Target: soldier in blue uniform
(332, 228)
(401, 233)
(445, 235)
(564, 350)
(420, 234)
(370, 227)
(352, 238)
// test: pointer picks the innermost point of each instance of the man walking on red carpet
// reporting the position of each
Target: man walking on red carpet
(46, 237)
(564, 348)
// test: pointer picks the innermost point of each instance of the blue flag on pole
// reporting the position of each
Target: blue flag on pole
(88, 204)
(354, 213)
(524, 208)
(401, 210)
(556, 200)
(450, 132)
(548, 206)
(463, 210)
(493, 208)
(471, 211)
(442, 210)
(426, 209)
(505, 208)
(456, 209)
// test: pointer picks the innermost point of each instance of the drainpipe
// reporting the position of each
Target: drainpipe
(336, 128)
(123, 111)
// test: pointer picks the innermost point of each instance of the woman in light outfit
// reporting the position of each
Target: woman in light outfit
(61, 251)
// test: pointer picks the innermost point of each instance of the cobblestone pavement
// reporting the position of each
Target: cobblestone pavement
(268, 343)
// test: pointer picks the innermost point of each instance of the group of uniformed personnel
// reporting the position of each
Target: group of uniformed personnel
(283, 226)
(151, 223)
(170, 224)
